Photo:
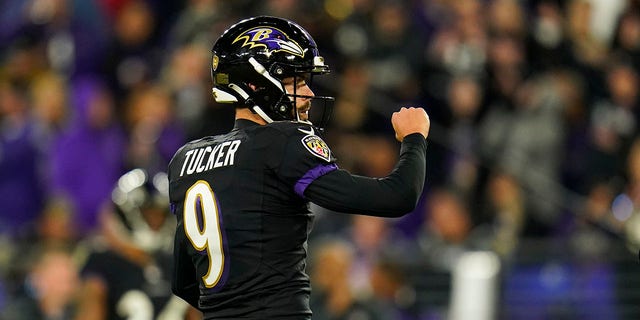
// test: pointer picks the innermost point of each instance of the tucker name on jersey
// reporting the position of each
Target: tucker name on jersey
(207, 158)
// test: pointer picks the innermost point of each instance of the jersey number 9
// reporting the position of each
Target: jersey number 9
(202, 227)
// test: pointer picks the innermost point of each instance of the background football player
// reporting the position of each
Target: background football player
(126, 275)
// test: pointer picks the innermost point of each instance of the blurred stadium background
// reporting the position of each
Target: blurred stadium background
(531, 206)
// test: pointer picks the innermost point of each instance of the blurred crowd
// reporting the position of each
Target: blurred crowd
(534, 108)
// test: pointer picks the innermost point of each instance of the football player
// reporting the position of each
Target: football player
(127, 273)
(241, 198)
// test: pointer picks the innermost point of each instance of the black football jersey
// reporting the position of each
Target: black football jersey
(241, 201)
(134, 292)
(243, 221)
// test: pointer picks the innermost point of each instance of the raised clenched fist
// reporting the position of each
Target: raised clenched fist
(410, 120)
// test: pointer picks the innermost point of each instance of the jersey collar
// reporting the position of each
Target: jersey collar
(244, 123)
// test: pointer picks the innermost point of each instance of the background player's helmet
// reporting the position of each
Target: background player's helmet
(141, 205)
(262, 51)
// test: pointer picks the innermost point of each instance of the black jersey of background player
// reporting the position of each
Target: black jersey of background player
(242, 219)
(133, 291)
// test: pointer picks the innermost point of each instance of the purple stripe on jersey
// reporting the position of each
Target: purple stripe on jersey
(312, 175)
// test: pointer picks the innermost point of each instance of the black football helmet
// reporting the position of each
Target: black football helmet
(261, 52)
(141, 206)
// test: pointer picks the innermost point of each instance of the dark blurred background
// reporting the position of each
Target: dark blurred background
(533, 154)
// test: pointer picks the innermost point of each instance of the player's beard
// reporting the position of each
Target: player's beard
(303, 110)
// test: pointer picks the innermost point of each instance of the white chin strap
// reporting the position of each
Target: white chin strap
(225, 97)
(263, 71)
(255, 108)
(262, 114)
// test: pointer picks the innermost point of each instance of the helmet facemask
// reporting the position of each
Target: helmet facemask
(290, 103)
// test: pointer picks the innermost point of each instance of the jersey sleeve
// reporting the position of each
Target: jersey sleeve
(391, 196)
(305, 157)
